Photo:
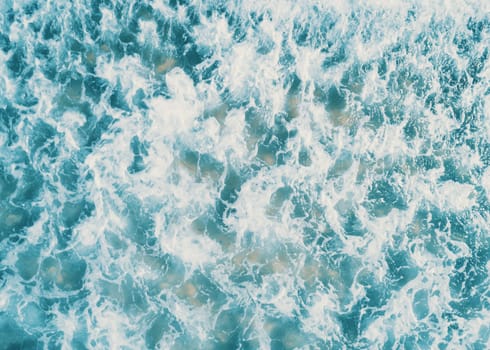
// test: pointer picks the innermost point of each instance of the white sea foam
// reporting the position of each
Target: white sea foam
(289, 222)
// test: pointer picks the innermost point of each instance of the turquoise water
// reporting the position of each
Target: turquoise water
(244, 174)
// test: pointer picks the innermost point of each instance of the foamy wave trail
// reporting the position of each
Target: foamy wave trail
(244, 174)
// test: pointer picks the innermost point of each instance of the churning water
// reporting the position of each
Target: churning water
(245, 174)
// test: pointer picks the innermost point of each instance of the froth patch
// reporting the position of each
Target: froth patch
(456, 196)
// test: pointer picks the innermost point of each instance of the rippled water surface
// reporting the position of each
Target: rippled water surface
(244, 174)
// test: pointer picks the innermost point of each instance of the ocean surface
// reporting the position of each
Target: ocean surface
(244, 174)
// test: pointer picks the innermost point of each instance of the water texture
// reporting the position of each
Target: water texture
(244, 174)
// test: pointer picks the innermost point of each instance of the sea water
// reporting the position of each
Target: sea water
(244, 174)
